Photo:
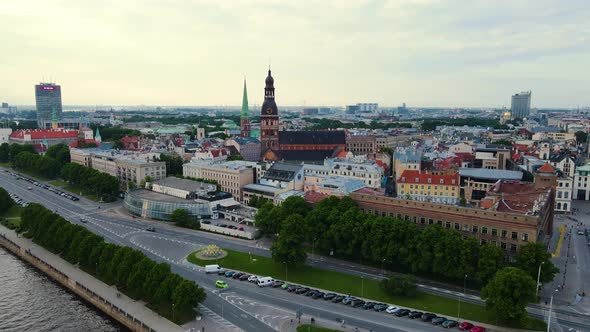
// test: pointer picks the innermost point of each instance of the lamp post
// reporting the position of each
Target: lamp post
(382, 269)
(172, 311)
(549, 315)
(459, 305)
(538, 279)
(362, 286)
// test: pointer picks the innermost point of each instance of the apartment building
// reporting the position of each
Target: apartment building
(429, 187)
(367, 171)
(231, 176)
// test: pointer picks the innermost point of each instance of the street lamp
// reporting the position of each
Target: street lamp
(172, 311)
(459, 305)
(549, 315)
(362, 287)
(382, 270)
(538, 279)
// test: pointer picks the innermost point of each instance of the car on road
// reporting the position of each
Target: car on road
(221, 284)
(402, 312)
(580, 232)
(237, 275)
(415, 314)
(391, 309)
(31, 188)
(427, 316)
(221, 272)
(240, 228)
(150, 229)
(438, 320)
(207, 222)
(244, 277)
(369, 305)
(317, 295)
(337, 298)
(276, 283)
(357, 303)
(449, 324)
(229, 274)
(465, 326)
(478, 329)
(329, 296)
(312, 292)
(83, 220)
(380, 307)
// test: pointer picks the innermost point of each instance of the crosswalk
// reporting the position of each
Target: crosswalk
(224, 322)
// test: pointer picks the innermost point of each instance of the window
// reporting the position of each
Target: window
(430, 221)
(559, 194)
(514, 235)
(417, 180)
(503, 245)
(429, 180)
(494, 232)
(465, 227)
(483, 241)
(513, 248)
(474, 229)
(448, 224)
(566, 195)
(442, 181)
(484, 230)
(423, 221)
(457, 227)
(504, 233)
(525, 237)
(565, 206)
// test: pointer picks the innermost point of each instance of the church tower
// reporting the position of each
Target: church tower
(245, 115)
(269, 117)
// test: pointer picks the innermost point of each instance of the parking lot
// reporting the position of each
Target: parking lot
(34, 182)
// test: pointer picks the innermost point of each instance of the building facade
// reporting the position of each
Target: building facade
(231, 176)
(269, 117)
(361, 144)
(520, 106)
(429, 187)
(581, 189)
(48, 102)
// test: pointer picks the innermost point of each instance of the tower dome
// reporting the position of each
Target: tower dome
(269, 80)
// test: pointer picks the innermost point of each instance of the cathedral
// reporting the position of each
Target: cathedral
(295, 146)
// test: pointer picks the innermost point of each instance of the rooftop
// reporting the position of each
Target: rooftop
(45, 133)
(490, 174)
(185, 184)
(312, 137)
(414, 176)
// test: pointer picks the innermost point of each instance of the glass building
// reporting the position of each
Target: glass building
(147, 204)
(48, 99)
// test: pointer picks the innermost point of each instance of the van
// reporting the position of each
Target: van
(264, 281)
(213, 268)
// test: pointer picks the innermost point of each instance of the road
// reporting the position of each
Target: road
(243, 304)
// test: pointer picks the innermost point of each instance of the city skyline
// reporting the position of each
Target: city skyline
(421, 52)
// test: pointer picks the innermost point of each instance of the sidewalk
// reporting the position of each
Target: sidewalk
(135, 308)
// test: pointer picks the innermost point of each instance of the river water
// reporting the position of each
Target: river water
(29, 301)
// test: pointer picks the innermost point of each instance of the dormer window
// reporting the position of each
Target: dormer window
(453, 182)
(417, 180)
(442, 181)
(429, 180)
(403, 179)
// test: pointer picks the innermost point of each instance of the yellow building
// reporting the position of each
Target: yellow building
(429, 187)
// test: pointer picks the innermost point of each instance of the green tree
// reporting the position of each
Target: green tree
(288, 248)
(268, 218)
(581, 137)
(4, 152)
(5, 201)
(138, 274)
(530, 256)
(187, 295)
(491, 259)
(106, 256)
(173, 164)
(155, 276)
(235, 157)
(469, 256)
(400, 285)
(181, 218)
(503, 142)
(130, 258)
(59, 152)
(166, 288)
(508, 293)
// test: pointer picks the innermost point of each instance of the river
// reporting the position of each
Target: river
(30, 301)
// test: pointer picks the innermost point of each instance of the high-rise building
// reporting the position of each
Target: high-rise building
(245, 115)
(521, 105)
(269, 117)
(48, 98)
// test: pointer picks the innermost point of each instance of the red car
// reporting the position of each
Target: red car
(478, 329)
(465, 326)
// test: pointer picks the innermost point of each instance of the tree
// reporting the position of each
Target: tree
(491, 259)
(288, 248)
(59, 152)
(130, 258)
(166, 288)
(235, 157)
(173, 164)
(386, 149)
(4, 152)
(5, 201)
(155, 276)
(187, 295)
(530, 256)
(181, 218)
(257, 201)
(503, 142)
(268, 218)
(509, 292)
(581, 137)
(462, 201)
(399, 285)
(138, 274)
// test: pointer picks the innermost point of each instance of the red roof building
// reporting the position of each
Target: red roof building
(43, 138)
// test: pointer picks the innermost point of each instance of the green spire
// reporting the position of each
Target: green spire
(245, 113)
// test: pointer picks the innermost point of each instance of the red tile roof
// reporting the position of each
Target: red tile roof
(45, 133)
(546, 169)
(413, 176)
(314, 197)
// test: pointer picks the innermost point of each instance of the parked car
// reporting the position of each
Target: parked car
(221, 284)
(369, 305)
(317, 295)
(402, 312)
(301, 290)
(244, 277)
(312, 292)
(329, 296)
(206, 222)
(449, 324)
(478, 329)
(275, 284)
(253, 278)
(465, 326)
(285, 286)
(240, 228)
(415, 314)
(337, 298)
(427, 316)
(580, 232)
(380, 307)
(292, 288)
(237, 275)
(438, 320)
(357, 303)
(221, 272)
(390, 309)
(348, 299)
(229, 274)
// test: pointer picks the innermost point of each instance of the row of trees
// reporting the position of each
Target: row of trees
(104, 185)
(8, 152)
(41, 165)
(324, 123)
(129, 269)
(431, 124)
(5, 201)
(173, 164)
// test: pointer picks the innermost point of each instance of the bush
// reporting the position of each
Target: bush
(400, 285)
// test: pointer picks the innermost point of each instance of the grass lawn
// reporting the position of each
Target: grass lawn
(7, 165)
(77, 190)
(14, 214)
(58, 183)
(312, 328)
(354, 285)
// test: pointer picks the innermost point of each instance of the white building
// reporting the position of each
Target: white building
(368, 172)
(563, 195)
(581, 189)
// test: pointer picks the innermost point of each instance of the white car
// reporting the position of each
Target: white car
(391, 309)
(253, 278)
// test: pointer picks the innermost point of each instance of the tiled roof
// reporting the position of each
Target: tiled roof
(413, 176)
(312, 137)
(547, 168)
(45, 133)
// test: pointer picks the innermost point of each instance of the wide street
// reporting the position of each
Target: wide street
(243, 304)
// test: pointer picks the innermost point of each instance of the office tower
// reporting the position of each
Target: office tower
(521, 105)
(48, 99)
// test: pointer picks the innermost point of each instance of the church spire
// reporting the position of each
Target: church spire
(245, 113)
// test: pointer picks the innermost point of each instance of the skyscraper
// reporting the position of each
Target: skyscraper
(48, 98)
(245, 115)
(269, 117)
(520, 106)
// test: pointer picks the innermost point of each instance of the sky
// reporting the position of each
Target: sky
(472, 53)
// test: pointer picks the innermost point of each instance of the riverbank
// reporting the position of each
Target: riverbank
(132, 314)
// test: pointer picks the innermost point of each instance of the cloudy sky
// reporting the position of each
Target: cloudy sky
(325, 52)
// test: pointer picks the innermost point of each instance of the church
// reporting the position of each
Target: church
(294, 146)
